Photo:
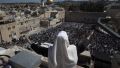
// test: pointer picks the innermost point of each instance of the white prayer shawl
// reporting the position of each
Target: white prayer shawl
(62, 55)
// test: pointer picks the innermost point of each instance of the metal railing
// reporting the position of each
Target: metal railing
(107, 29)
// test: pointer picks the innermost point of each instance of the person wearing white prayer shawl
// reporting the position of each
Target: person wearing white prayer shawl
(62, 54)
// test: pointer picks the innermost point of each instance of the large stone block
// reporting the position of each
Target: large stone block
(25, 59)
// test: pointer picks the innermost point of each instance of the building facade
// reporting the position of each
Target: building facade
(14, 30)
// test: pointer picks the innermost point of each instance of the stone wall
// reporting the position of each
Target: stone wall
(8, 31)
(83, 17)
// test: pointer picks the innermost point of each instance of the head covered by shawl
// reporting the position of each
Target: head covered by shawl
(62, 54)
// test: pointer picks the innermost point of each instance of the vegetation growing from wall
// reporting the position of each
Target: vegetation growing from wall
(84, 6)
(92, 7)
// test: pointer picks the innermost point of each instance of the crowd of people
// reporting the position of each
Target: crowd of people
(50, 34)
(75, 31)
(102, 43)
(78, 32)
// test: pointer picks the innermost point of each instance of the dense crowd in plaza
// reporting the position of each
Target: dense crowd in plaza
(104, 44)
(78, 32)
(100, 44)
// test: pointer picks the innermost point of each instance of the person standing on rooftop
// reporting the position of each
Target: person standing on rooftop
(62, 54)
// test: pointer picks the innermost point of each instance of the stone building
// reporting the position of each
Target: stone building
(10, 30)
(27, 25)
